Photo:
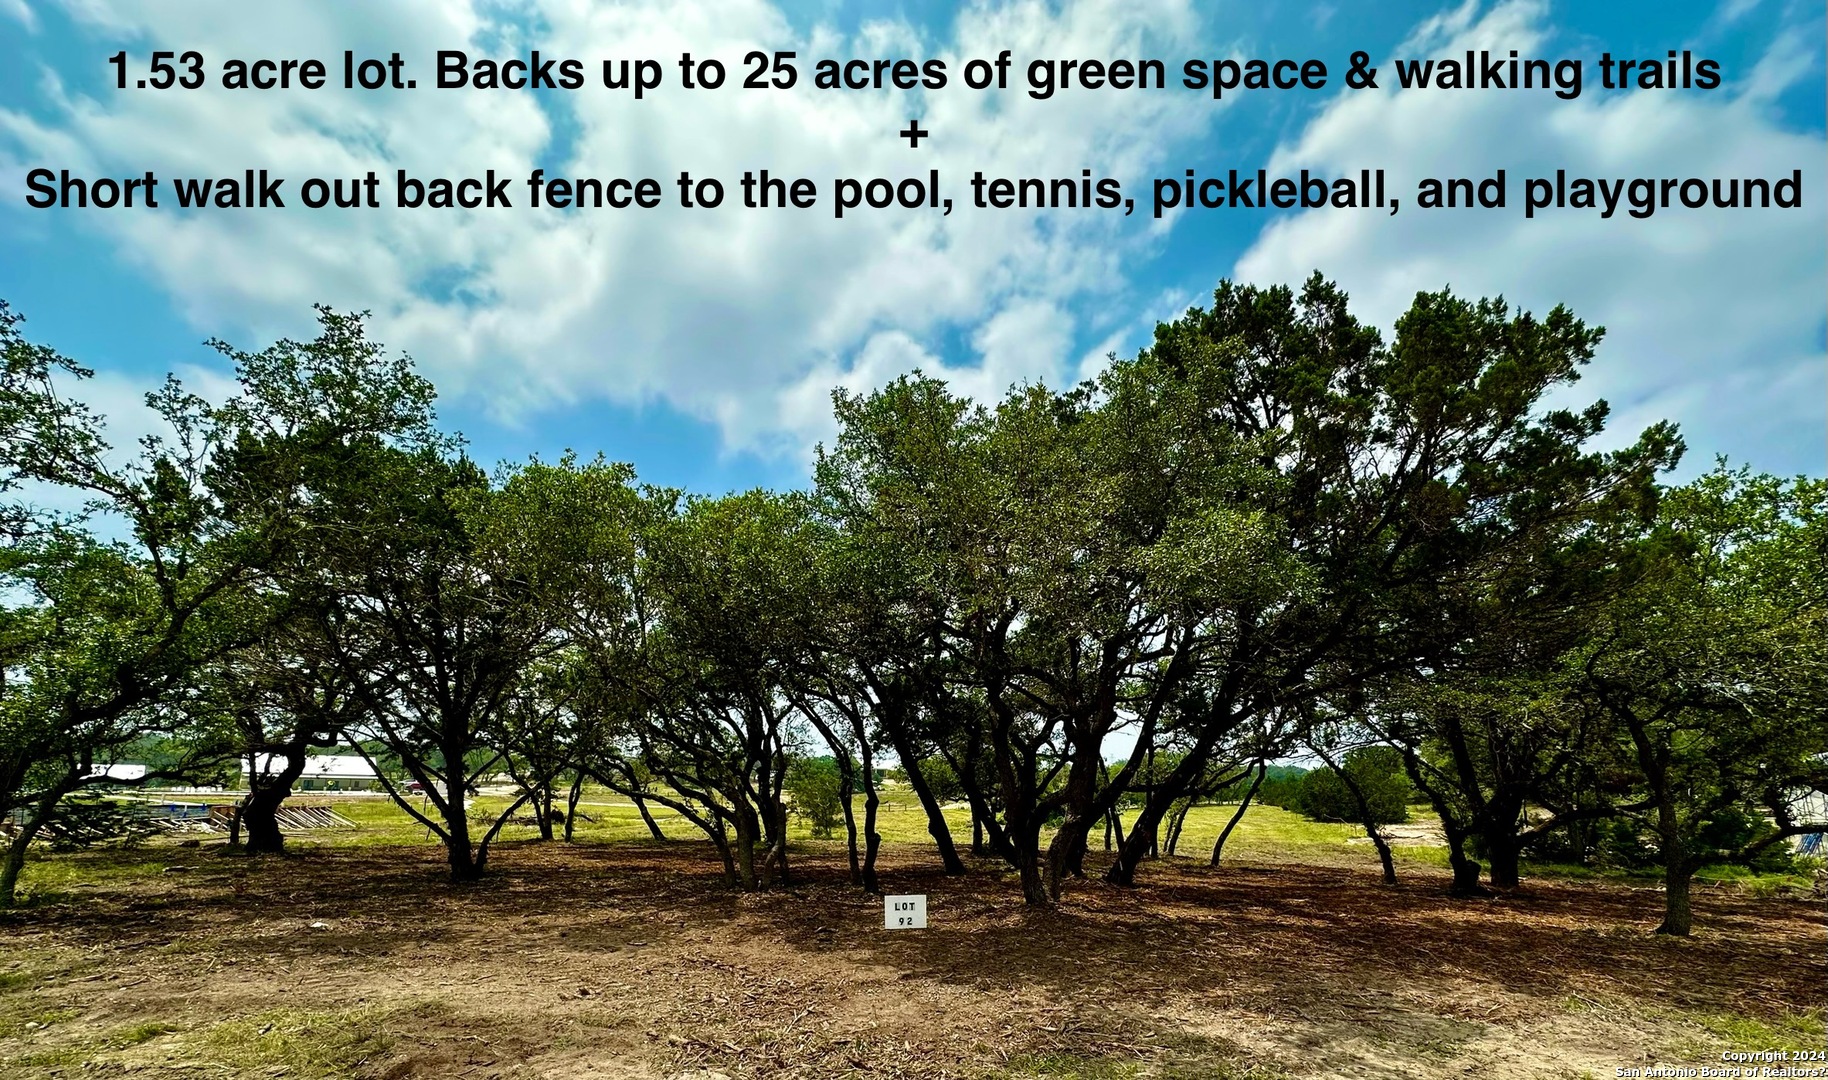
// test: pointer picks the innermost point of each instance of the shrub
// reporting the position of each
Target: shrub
(817, 789)
(1281, 787)
(90, 821)
(940, 778)
(1377, 770)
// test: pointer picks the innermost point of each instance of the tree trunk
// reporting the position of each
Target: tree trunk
(936, 818)
(721, 837)
(1504, 854)
(1498, 825)
(465, 866)
(1677, 917)
(1176, 819)
(1383, 853)
(542, 809)
(1466, 875)
(1025, 844)
(872, 840)
(1679, 864)
(652, 825)
(746, 828)
(259, 812)
(989, 838)
(1218, 846)
(1140, 841)
(1074, 856)
(571, 804)
(777, 850)
(15, 851)
(259, 815)
(1066, 854)
(15, 862)
(1155, 831)
(1365, 818)
(1466, 870)
(1034, 885)
(850, 827)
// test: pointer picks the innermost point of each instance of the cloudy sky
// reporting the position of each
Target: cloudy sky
(703, 344)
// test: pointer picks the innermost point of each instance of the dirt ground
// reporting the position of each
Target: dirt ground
(630, 960)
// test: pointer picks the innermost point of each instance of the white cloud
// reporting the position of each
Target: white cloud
(20, 11)
(1713, 317)
(1731, 11)
(746, 317)
(1023, 342)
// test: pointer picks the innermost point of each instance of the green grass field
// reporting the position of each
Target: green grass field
(1266, 834)
(605, 816)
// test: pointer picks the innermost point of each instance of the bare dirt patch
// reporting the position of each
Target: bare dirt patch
(631, 960)
(1420, 835)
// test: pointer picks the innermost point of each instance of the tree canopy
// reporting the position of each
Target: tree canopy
(1270, 535)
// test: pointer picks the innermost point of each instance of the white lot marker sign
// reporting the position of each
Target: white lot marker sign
(904, 912)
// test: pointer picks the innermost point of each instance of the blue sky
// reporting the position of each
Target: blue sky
(702, 345)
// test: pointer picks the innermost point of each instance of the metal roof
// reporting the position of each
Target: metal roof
(317, 767)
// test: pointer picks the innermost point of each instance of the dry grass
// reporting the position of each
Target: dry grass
(628, 959)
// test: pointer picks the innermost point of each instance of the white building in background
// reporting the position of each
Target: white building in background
(127, 772)
(1810, 806)
(323, 772)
